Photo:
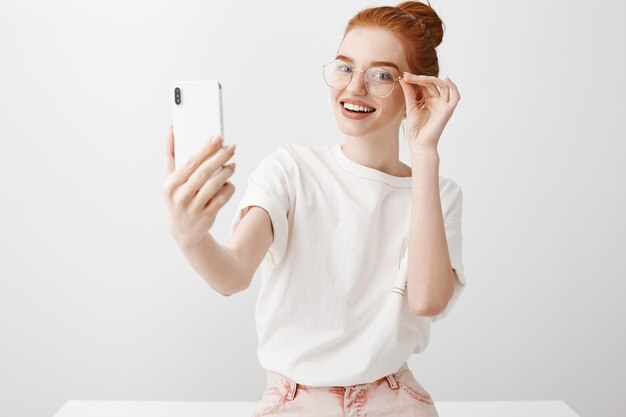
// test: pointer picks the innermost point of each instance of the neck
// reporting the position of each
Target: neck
(378, 153)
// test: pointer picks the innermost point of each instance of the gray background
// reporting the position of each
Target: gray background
(97, 301)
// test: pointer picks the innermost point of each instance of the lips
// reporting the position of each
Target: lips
(352, 115)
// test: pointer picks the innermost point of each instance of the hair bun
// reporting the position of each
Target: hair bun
(426, 16)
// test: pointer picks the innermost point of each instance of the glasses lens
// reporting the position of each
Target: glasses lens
(379, 82)
(337, 74)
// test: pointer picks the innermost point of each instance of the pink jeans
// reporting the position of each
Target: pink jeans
(398, 394)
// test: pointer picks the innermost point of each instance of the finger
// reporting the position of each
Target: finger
(220, 199)
(212, 186)
(182, 174)
(205, 171)
(170, 165)
(428, 82)
(210, 165)
(445, 92)
(425, 79)
(433, 91)
(409, 96)
(208, 148)
(454, 93)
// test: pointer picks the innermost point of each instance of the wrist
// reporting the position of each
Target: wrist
(428, 151)
(186, 243)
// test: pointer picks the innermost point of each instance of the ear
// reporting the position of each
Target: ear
(419, 94)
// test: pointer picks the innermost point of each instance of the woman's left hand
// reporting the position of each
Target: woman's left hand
(425, 123)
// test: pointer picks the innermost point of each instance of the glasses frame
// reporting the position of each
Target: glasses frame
(395, 79)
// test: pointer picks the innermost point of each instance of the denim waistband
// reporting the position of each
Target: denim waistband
(276, 379)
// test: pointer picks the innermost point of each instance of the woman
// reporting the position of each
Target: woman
(361, 252)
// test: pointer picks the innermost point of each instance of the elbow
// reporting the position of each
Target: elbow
(426, 310)
(222, 292)
(234, 290)
(227, 293)
(431, 306)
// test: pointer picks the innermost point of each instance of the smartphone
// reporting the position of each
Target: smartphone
(196, 116)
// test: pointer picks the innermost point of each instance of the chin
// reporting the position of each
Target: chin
(353, 130)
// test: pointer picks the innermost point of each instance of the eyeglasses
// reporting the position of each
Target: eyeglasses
(378, 81)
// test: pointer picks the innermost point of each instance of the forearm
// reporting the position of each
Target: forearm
(216, 264)
(429, 271)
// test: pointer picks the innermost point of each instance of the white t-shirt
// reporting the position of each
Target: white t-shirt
(332, 309)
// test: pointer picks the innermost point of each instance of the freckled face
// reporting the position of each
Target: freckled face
(364, 46)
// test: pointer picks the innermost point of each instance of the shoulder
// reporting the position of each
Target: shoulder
(281, 156)
(285, 161)
(296, 150)
(293, 155)
(449, 185)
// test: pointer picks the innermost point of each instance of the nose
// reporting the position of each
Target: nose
(356, 85)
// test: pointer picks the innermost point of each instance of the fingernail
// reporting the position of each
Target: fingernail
(231, 148)
(234, 164)
(216, 139)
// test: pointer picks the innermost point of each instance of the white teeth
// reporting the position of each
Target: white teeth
(358, 108)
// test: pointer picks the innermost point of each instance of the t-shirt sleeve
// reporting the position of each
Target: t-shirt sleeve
(267, 187)
(452, 225)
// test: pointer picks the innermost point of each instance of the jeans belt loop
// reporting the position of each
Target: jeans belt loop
(392, 381)
(293, 386)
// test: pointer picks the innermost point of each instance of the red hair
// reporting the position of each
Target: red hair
(417, 26)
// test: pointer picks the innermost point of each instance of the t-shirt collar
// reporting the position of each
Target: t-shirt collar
(365, 171)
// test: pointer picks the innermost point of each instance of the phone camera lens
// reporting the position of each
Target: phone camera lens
(177, 95)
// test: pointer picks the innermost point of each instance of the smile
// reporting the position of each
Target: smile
(355, 114)
(357, 109)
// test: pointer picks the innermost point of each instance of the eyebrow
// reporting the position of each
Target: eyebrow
(375, 63)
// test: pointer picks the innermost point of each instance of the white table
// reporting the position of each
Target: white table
(93, 408)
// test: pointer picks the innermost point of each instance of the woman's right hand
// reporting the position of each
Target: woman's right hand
(196, 191)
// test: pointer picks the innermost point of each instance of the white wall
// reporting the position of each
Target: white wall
(97, 301)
